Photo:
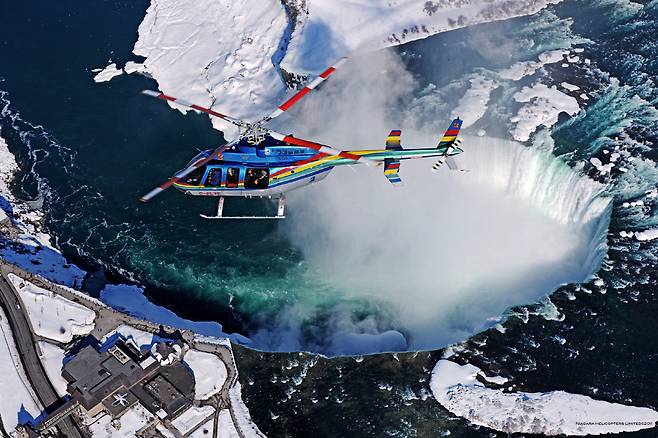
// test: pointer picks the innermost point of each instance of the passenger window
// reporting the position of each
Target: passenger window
(194, 178)
(257, 178)
(232, 177)
(214, 177)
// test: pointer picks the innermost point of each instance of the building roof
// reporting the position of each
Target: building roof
(117, 378)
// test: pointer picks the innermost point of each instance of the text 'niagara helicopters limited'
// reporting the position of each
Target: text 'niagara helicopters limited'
(265, 163)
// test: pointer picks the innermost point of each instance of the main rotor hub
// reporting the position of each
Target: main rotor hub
(255, 133)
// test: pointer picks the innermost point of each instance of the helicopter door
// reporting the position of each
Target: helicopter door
(214, 177)
(257, 178)
(232, 177)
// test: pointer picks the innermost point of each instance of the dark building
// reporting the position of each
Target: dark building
(117, 378)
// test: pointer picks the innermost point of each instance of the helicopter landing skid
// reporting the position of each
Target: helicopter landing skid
(220, 209)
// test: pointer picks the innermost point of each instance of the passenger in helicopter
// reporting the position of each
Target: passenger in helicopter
(256, 179)
(232, 177)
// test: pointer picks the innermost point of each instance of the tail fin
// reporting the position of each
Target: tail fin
(451, 134)
(391, 171)
(393, 140)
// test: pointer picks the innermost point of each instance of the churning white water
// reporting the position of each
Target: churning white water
(441, 257)
(449, 252)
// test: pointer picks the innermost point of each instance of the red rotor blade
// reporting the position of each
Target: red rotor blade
(194, 106)
(304, 91)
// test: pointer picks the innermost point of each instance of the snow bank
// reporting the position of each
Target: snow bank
(544, 105)
(52, 358)
(52, 316)
(219, 52)
(16, 393)
(241, 413)
(209, 373)
(189, 419)
(550, 413)
(128, 332)
(327, 29)
(225, 426)
(37, 255)
(130, 299)
(227, 55)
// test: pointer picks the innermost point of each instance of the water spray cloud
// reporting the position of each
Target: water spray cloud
(437, 260)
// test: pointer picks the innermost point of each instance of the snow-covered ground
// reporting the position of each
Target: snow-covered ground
(193, 416)
(550, 413)
(128, 424)
(242, 417)
(205, 431)
(225, 426)
(15, 390)
(140, 338)
(52, 358)
(228, 55)
(209, 373)
(53, 316)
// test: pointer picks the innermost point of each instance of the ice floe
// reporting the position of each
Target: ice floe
(473, 104)
(550, 413)
(108, 73)
(522, 69)
(542, 107)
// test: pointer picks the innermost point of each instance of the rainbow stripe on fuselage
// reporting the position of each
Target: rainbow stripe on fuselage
(289, 165)
(308, 167)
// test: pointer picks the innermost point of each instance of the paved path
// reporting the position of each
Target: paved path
(25, 343)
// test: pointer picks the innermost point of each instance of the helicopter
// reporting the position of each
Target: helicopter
(264, 163)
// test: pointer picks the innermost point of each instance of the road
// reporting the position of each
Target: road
(25, 343)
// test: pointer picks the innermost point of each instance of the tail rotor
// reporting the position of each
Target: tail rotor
(449, 144)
